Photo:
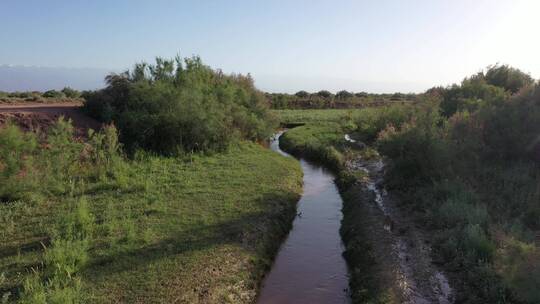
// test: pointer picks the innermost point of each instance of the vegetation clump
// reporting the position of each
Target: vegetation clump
(470, 163)
(181, 105)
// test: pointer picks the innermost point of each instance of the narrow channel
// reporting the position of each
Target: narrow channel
(309, 267)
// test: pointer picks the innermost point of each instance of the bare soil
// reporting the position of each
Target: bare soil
(40, 116)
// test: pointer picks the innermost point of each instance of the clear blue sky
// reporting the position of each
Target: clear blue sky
(286, 45)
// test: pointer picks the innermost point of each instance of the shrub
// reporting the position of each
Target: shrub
(20, 94)
(324, 94)
(302, 94)
(16, 151)
(53, 94)
(520, 265)
(458, 211)
(472, 94)
(344, 94)
(372, 121)
(64, 258)
(71, 93)
(175, 106)
(361, 94)
(509, 78)
(476, 244)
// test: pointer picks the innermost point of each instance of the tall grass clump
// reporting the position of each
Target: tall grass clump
(53, 169)
(17, 149)
(63, 259)
(180, 105)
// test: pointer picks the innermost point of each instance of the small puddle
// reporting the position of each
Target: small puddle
(309, 267)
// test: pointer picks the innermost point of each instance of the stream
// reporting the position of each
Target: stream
(309, 267)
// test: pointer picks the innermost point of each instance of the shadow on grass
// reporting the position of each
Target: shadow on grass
(256, 231)
(261, 232)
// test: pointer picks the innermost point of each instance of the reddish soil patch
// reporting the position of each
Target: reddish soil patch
(35, 116)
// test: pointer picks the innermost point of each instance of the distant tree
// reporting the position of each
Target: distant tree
(324, 93)
(53, 94)
(396, 96)
(509, 78)
(361, 94)
(343, 94)
(71, 93)
(302, 94)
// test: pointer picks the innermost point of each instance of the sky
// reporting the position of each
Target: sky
(289, 45)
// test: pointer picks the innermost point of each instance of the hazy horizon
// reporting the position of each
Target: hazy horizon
(388, 46)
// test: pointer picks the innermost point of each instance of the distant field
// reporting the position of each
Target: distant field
(314, 116)
(38, 99)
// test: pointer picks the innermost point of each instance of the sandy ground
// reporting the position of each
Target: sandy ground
(39, 116)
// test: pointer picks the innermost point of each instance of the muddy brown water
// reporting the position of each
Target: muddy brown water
(309, 267)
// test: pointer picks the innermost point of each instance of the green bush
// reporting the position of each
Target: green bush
(71, 93)
(324, 94)
(54, 94)
(459, 211)
(302, 94)
(21, 94)
(343, 94)
(509, 78)
(16, 157)
(473, 173)
(372, 121)
(176, 106)
(476, 244)
(63, 258)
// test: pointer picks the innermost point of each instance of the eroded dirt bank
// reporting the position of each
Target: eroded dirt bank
(40, 116)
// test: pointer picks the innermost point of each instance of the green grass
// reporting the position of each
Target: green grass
(317, 142)
(200, 229)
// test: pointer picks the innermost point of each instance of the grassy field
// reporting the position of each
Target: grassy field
(314, 116)
(199, 229)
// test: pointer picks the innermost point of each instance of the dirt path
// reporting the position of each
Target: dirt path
(39, 116)
(400, 247)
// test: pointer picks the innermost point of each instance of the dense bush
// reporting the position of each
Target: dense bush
(372, 121)
(324, 93)
(71, 93)
(14, 163)
(178, 105)
(482, 89)
(53, 94)
(509, 78)
(302, 94)
(475, 176)
(343, 94)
